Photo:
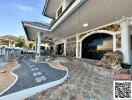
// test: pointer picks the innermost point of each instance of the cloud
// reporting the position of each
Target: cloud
(25, 8)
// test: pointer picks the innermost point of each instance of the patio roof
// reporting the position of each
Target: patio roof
(32, 28)
(94, 12)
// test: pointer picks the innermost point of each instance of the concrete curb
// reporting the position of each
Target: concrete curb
(32, 91)
(64, 68)
(18, 65)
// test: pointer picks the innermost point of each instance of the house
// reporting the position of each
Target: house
(7, 41)
(85, 28)
(8, 51)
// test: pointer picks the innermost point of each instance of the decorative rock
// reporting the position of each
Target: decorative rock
(2, 71)
(112, 60)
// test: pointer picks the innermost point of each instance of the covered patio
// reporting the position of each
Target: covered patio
(75, 25)
(73, 46)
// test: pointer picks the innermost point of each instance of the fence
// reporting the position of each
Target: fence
(7, 54)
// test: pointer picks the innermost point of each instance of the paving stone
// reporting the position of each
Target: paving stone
(43, 77)
(31, 66)
(37, 74)
(38, 79)
(34, 69)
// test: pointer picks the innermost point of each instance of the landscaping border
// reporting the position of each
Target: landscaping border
(15, 75)
(32, 91)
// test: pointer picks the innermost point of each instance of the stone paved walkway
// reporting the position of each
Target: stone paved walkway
(32, 74)
(81, 84)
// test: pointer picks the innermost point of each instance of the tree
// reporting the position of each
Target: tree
(30, 46)
(20, 42)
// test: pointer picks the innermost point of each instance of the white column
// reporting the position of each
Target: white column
(54, 46)
(80, 49)
(65, 47)
(114, 42)
(38, 44)
(77, 47)
(125, 41)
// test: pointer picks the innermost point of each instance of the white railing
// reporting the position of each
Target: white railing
(7, 54)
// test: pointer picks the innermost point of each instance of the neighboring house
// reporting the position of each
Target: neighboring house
(7, 41)
(85, 28)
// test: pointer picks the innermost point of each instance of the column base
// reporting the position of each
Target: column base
(37, 59)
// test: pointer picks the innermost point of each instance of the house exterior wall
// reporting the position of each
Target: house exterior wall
(71, 49)
(54, 5)
(73, 43)
(69, 46)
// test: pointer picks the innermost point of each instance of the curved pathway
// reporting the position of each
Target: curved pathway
(32, 74)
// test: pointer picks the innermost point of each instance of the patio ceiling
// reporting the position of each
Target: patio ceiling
(94, 12)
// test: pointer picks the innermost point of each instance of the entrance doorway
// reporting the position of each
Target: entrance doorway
(60, 49)
(96, 45)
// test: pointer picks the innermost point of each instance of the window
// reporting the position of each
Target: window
(59, 11)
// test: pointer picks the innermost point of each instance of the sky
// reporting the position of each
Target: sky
(12, 12)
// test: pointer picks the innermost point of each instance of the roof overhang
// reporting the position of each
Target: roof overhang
(33, 28)
(94, 12)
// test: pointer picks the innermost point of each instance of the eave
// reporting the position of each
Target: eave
(93, 13)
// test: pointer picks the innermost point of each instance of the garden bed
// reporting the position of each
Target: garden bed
(6, 79)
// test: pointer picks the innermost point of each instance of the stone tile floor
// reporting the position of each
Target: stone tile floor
(80, 85)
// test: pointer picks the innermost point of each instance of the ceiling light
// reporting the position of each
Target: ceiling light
(85, 24)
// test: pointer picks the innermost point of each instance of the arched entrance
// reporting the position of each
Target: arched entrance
(60, 49)
(96, 45)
